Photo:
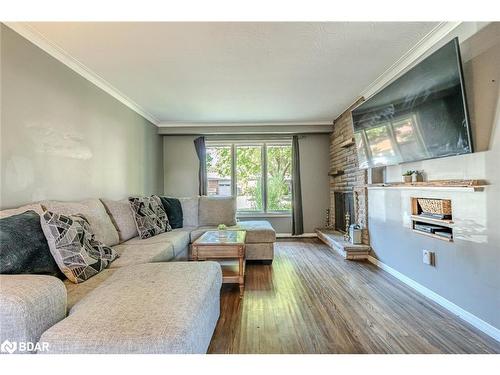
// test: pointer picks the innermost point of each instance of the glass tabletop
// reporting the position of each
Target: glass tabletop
(227, 237)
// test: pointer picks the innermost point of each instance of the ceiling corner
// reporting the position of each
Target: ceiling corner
(62, 56)
(439, 32)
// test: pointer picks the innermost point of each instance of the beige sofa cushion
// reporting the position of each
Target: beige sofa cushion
(259, 251)
(189, 211)
(177, 238)
(29, 305)
(78, 291)
(94, 212)
(258, 231)
(122, 217)
(15, 211)
(142, 253)
(217, 210)
(167, 308)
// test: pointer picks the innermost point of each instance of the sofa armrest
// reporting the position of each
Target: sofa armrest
(29, 305)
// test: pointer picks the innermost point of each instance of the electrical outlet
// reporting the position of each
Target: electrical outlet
(428, 257)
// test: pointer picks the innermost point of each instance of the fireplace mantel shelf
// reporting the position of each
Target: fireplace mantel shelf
(453, 185)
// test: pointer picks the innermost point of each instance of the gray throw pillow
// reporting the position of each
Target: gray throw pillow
(173, 208)
(217, 210)
(122, 217)
(74, 247)
(189, 211)
(23, 247)
(150, 216)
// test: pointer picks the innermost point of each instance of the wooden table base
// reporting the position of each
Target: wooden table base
(223, 252)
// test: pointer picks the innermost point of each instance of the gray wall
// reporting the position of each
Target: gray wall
(314, 165)
(467, 270)
(180, 166)
(64, 138)
(181, 176)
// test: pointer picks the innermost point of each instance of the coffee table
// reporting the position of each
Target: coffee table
(212, 246)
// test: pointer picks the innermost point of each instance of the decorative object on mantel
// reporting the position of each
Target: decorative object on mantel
(435, 206)
(327, 219)
(466, 185)
(417, 176)
(347, 237)
(407, 176)
(355, 234)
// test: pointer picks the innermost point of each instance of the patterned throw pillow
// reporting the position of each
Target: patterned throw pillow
(150, 216)
(74, 247)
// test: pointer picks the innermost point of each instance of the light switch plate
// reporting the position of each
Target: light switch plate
(428, 257)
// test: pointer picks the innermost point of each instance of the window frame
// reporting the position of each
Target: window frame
(263, 144)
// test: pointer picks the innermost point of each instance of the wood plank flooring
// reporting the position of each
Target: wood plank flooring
(310, 300)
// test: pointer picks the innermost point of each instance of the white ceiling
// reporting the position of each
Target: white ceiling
(237, 72)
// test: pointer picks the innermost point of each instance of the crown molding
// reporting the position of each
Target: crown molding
(247, 130)
(61, 55)
(173, 124)
(404, 62)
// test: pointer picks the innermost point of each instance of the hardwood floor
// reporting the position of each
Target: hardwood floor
(310, 300)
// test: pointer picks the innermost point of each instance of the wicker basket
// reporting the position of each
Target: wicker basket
(435, 206)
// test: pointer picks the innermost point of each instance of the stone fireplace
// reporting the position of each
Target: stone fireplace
(348, 191)
(347, 181)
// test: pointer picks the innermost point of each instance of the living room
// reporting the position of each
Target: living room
(301, 187)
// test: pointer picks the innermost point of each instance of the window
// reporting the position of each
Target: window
(279, 177)
(259, 174)
(249, 178)
(219, 170)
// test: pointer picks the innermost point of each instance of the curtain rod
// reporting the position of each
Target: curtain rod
(242, 137)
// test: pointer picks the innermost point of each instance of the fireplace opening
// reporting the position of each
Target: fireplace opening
(344, 203)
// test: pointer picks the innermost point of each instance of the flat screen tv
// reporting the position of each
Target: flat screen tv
(421, 115)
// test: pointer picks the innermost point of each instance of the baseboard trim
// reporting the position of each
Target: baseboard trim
(289, 235)
(450, 306)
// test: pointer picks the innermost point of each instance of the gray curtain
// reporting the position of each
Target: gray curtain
(297, 218)
(201, 151)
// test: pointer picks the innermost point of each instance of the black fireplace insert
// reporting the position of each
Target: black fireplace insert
(344, 203)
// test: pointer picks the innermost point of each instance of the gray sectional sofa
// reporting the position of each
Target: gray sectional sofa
(150, 300)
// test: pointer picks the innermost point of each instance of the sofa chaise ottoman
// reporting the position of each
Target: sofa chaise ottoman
(148, 308)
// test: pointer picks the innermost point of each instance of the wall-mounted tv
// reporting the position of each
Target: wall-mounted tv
(421, 115)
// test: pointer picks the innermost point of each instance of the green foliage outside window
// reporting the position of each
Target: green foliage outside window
(249, 173)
